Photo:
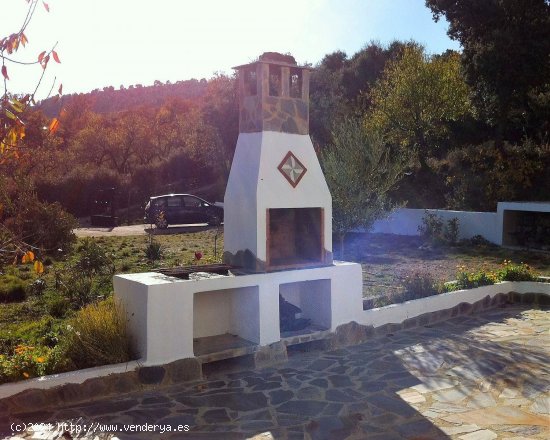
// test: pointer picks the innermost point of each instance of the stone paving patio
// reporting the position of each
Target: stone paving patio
(477, 377)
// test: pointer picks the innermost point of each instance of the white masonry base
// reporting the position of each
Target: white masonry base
(166, 313)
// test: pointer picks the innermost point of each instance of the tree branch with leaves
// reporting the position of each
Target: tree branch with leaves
(13, 106)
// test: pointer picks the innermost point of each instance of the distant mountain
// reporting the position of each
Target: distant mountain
(111, 100)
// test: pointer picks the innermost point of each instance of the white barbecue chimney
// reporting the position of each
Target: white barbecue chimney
(278, 208)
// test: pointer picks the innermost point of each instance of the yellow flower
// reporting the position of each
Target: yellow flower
(40, 359)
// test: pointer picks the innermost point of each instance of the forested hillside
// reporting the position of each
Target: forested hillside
(111, 100)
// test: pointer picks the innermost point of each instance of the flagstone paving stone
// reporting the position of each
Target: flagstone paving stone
(478, 377)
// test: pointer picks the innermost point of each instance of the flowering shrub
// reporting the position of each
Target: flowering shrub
(508, 272)
(516, 272)
(27, 361)
(469, 280)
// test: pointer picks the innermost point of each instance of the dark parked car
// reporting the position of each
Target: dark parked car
(173, 209)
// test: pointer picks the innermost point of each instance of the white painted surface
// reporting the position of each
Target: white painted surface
(313, 297)
(487, 224)
(245, 317)
(397, 313)
(166, 313)
(524, 206)
(255, 184)
(502, 207)
(406, 222)
(54, 380)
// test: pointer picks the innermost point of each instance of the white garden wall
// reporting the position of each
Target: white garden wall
(406, 222)
(490, 225)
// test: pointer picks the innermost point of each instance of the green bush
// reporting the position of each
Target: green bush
(419, 285)
(12, 288)
(153, 251)
(434, 229)
(43, 225)
(93, 259)
(516, 272)
(58, 307)
(450, 234)
(88, 278)
(98, 335)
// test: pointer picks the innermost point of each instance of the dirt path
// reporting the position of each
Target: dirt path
(118, 231)
(124, 231)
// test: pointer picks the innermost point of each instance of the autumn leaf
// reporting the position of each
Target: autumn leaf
(18, 106)
(56, 57)
(60, 90)
(54, 125)
(28, 257)
(45, 61)
(41, 56)
(5, 72)
(38, 267)
(46, 6)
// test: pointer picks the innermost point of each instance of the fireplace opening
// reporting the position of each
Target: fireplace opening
(295, 237)
(313, 300)
(225, 319)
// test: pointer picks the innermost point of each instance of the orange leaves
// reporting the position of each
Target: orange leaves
(38, 267)
(5, 72)
(44, 58)
(54, 125)
(28, 257)
(13, 136)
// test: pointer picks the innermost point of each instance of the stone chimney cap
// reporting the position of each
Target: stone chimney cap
(278, 58)
(274, 58)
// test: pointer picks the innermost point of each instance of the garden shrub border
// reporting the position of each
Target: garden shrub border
(94, 383)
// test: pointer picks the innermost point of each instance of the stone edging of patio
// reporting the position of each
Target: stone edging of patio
(93, 383)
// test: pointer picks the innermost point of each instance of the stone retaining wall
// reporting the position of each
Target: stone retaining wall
(190, 369)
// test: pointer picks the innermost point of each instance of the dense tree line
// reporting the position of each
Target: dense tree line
(472, 125)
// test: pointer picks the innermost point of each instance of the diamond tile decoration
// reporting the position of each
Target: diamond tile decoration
(292, 169)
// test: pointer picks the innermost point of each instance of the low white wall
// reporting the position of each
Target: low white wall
(406, 221)
(76, 377)
(397, 313)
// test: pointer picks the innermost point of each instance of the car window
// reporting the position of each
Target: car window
(192, 202)
(174, 202)
(159, 203)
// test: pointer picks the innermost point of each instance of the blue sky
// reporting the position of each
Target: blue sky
(124, 42)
